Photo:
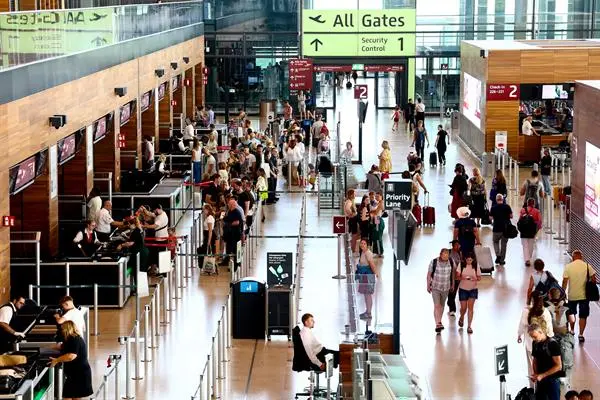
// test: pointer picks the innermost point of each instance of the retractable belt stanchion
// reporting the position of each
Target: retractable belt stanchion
(146, 334)
(136, 350)
(95, 309)
(125, 340)
(510, 173)
(214, 369)
(154, 315)
(561, 218)
(549, 215)
(219, 354)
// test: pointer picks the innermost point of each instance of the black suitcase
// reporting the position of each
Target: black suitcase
(348, 85)
(433, 159)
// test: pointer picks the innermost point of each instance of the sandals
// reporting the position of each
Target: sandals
(469, 330)
(365, 315)
(438, 328)
(581, 339)
(461, 322)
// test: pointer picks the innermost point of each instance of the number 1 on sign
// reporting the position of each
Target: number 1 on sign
(401, 40)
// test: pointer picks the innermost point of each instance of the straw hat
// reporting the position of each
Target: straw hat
(463, 212)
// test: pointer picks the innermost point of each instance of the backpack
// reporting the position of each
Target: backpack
(466, 231)
(551, 282)
(434, 266)
(525, 394)
(531, 192)
(527, 225)
(324, 130)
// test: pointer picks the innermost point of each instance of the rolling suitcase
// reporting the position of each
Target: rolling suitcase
(418, 213)
(433, 159)
(428, 212)
(483, 255)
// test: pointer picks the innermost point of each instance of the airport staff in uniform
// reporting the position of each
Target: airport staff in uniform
(87, 240)
(105, 222)
(7, 313)
(70, 313)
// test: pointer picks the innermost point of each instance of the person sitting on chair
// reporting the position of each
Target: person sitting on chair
(315, 351)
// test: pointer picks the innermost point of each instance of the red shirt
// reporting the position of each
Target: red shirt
(535, 213)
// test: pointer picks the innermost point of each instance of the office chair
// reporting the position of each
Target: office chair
(301, 363)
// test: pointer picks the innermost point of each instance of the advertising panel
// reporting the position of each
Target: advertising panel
(471, 107)
(591, 200)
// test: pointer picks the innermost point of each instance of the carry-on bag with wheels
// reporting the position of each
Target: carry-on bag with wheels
(433, 159)
(483, 256)
(418, 213)
(428, 212)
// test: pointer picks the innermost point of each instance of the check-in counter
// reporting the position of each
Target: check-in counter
(173, 194)
(106, 272)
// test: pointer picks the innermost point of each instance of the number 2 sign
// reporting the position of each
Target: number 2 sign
(361, 92)
(503, 91)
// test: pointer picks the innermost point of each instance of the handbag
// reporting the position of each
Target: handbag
(384, 214)
(591, 288)
(485, 218)
(510, 231)
(209, 264)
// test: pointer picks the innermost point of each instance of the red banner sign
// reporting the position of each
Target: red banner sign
(301, 74)
(384, 68)
(503, 91)
(333, 68)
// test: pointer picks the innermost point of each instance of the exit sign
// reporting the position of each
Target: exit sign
(358, 67)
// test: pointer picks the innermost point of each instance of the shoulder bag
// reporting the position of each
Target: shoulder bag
(591, 288)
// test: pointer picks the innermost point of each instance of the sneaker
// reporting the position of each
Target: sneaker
(497, 260)
(451, 313)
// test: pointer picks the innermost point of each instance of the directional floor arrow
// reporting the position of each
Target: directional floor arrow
(316, 42)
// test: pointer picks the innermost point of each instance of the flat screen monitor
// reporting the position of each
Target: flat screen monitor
(100, 128)
(146, 100)
(125, 113)
(248, 287)
(252, 80)
(25, 174)
(66, 148)
(472, 94)
(161, 91)
(554, 92)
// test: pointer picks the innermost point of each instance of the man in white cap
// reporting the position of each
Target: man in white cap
(465, 231)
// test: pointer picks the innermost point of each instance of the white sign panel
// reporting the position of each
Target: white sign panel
(53, 160)
(592, 186)
(501, 140)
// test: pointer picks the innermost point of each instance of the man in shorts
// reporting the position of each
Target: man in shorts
(575, 277)
(440, 280)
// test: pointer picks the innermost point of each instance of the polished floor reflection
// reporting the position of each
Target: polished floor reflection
(454, 364)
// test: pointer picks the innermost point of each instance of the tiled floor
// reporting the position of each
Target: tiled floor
(455, 365)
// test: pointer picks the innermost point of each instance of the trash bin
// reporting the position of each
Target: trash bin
(454, 118)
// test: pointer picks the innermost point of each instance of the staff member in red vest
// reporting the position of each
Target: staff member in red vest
(87, 240)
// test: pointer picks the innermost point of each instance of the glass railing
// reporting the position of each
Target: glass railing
(31, 36)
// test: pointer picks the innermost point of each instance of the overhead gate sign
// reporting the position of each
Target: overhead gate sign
(359, 33)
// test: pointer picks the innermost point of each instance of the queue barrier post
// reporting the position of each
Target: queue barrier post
(154, 307)
(136, 350)
(146, 333)
(224, 332)
(166, 295)
(96, 309)
(125, 340)
(61, 380)
(219, 357)
(228, 310)
(209, 391)
(214, 369)
(31, 291)
(561, 222)
(117, 359)
(549, 215)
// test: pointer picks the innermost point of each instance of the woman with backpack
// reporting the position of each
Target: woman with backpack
(530, 222)
(540, 280)
(532, 189)
(534, 312)
(478, 200)
(469, 274)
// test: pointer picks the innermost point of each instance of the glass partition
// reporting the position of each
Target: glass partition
(31, 36)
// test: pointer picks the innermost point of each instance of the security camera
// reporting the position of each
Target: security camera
(159, 72)
(57, 121)
(121, 91)
(174, 65)
(186, 60)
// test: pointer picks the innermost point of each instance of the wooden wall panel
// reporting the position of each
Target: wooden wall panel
(73, 178)
(536, 66)
(148, 118)
(132, 141)
(198, 84)
(107, 156)
(504, 66)
(164, 116)
(4, 239)
(593, 61)
(502, 116)
(178, 98)
(4, 5)
(189, 93)
(570, 65)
